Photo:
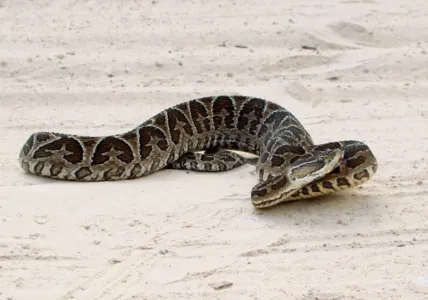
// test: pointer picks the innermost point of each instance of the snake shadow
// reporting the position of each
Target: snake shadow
(340, 208)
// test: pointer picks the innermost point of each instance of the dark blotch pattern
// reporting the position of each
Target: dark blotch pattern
(82, 173)
(276, 118)
(314, 187)
(250, 115)
(223, 112)
(38, 168)
(343, 182)
(355, 162)
(199, 114)
(351, 151)
(305, 191)
(205, 156)
(221, 166)
(109, 143)
(277, 161)
(71, 145)
(146, 135)
(259, 193)
(294, 159)
(327, 185)
(55, 170)
(361, 175)
(42, 137)
(192, 156)
(336, 170)
(177, 120)
(160, 120)
(297, 150)
(280, 183)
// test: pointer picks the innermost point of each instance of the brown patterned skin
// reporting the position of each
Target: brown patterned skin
(290, 166)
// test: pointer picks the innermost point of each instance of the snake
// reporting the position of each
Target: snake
(207, 134)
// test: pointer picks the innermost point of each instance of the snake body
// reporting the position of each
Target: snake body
(290, 165)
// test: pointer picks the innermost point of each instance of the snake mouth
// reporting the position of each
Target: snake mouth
(300, 174)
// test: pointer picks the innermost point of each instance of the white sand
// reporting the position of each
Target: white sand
(172, 235)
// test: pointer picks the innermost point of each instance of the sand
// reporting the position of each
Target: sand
(346, 69)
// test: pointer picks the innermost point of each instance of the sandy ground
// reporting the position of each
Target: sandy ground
(95, 67)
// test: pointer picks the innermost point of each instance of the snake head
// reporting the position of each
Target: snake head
(308, 168)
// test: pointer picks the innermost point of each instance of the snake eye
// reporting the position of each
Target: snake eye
(320, 160)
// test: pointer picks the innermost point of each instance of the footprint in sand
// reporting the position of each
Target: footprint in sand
(362, 36)
(296, 62)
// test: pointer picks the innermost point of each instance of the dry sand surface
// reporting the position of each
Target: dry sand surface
(346, 69)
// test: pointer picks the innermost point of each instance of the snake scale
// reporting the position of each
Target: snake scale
(198, 135)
